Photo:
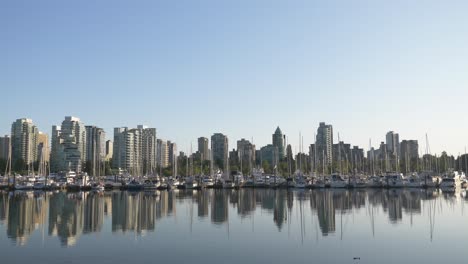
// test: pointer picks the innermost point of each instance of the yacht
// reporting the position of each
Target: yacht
(448, 183)
(24, 186)
(373, 182)
(207, 182)
(228, 184)
(413, 181)
(134, 185)
(150, 185)
(191, 183)
(451, 179)
(393, 180)
(358, 182)
(318, 183)
(301, 182)
(97, 186)
(336, 181)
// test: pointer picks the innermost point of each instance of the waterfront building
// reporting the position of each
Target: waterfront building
(269, 153)
(410, 149)
(219, 146)
(24, 141)
(95, 148)
(172, 152)
(162, 153)
(148, 148)
(203, 148)
(43, 152)
(246, 151)
(279, 142)
(134, 150)
(68, 145)
(4, 147)
(109, 150)
(341, 150)
(324, 143)
(393, 143)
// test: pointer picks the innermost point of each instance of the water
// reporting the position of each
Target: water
(229, 226)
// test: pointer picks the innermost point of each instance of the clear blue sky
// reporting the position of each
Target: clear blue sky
(192, 68)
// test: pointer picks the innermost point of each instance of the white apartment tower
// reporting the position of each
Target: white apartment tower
(24, 136)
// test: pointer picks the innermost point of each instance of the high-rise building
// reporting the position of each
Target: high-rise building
(4, 147)
(95, 148)
(269, 153)
(409, 149)
(393, 143)
(134, 150)
(119, 148)
(43, 152)
(149, 149)
(24, 141)
(56, 157)
(68, 145)
(341, 150)
(109, 150)
(203, 148)
(172, 152)
(278, 141)
(324, 143)
(246, 151)
(162, 153)
(219, 148)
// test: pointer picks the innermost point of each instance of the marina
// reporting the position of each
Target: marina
(232, 226)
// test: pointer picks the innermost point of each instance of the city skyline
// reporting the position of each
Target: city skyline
(241, 69)
(193, 146)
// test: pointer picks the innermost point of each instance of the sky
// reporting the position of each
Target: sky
(242, 68)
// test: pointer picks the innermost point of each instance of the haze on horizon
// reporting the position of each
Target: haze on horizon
(192, 68)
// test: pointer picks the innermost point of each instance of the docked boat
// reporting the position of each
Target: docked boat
(449, 183)
(301, 182)
(318, 183)
(393, 180)
(413, 182)
(149, 185)
(373, 182)
(134, 185)
(336, 181)
(191, 183)
(207, 182)
(228, 184)
(357, 182)
(23, 186)
(97, 186)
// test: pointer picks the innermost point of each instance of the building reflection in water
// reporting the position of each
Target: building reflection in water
(66, 218)
(134, 211)
(26, 212)
(219, 206)
(71, 215)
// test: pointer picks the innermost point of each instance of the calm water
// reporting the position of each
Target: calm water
(245, 226)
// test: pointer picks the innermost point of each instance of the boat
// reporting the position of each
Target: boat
(393, 180)
(336, 181)
(23, 186)
(228, 184)
(301, 182)
(191, 183)
(373, 182)
(318, 183)
(207, 182)
(149, 185)
(134, 185)
(97, 186)
(357, 182)
(413, 182)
